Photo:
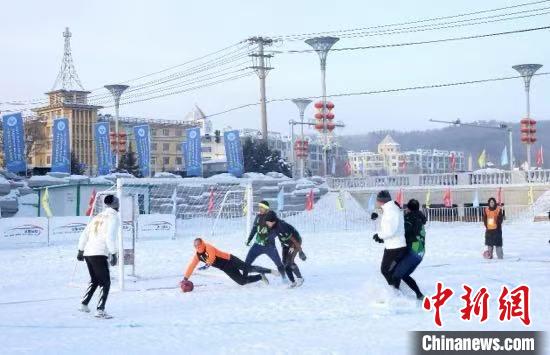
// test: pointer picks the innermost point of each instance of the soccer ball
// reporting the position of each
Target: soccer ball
(186, 286)
(487, 254)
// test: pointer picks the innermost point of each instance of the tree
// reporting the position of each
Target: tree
(128, 162)
(77, 168)
(259, 158)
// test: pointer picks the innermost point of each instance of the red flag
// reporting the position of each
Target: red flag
(540, 157)
(211, 202)
(499, 196)
(347, 168)
(447, 198)
(399, 198)
(89, 211)
(453, 161)
(310, 200)
(403, 165)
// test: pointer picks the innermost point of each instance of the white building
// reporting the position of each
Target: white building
(390, 160)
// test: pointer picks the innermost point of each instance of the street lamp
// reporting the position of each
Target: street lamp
(302, 104)
(116, 90)
(503, 126)
(528, 130)
(322, 46)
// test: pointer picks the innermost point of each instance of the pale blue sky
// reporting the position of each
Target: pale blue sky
(117, 40)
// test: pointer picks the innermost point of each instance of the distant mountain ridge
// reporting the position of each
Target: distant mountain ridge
(470, 140)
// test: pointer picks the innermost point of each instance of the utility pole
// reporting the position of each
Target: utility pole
(261, 67)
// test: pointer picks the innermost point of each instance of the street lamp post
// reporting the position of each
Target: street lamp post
(116, 90)
(302, 104)
(503, 126)
(322, 46)
(527, 71)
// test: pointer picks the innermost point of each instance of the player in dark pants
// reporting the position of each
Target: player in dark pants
(263, 244)
(99, 276)
(232, 266)
(292, 244)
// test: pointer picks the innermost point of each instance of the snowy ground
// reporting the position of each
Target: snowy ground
(338, 309)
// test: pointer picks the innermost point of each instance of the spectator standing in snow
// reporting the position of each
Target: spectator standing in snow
(97, 246)
(492, 219)
(391, 233)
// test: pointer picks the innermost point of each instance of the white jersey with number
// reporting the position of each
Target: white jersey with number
(100, 235)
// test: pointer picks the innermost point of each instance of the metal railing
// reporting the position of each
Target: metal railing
(494, 178)
(512, 213)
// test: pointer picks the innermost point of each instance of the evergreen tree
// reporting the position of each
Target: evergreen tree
(128, 162)
(259, 158)
(77, 168)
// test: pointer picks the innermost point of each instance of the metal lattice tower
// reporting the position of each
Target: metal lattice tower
(67, 79)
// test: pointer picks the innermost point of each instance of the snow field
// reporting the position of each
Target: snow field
(343, 306)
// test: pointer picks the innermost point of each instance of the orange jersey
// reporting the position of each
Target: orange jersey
(492, 218)
(209, 256)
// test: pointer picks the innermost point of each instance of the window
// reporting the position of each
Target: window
(206, 149)
(165, 132)
(165, 147)
(179, 132)
(153, 132)
(178, 147)
(48, 160)
(154, 160)
(166, 160)
(154, 146)
(178, 160)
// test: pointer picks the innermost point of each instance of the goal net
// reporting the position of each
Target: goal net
(176, 210)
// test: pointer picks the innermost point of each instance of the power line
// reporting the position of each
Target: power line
(339, 32)
(405, 44)
(382, 91)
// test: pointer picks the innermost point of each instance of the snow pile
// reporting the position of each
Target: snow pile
(542, 204)
(167, 175)
(46, 180)
(489, 171)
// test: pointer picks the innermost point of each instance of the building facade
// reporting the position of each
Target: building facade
(390, 160)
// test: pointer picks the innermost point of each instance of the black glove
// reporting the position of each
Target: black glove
(80, 255)
(302, 255)
(377, 239)
(113, 260)
(204, 267)
(374, 216)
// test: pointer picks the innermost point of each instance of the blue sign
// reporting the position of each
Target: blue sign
(184, 151)
(103, 148)
(61, 149)
(234, 153)
(143, 144)
(14, 143)
(193, 152)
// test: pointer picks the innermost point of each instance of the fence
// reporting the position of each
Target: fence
(518, 213)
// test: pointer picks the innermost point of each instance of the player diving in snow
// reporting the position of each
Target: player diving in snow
(97, 246)
(234, 267)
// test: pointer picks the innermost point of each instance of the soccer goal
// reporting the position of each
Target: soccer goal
(174, 210)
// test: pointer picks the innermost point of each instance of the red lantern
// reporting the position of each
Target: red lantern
(330, 126)
(318, 105)
(330, 105)
(319, 125)
(330, 116)
(319, 116)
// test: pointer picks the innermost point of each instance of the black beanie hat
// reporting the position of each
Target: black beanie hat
(271, 216)
(111, 201)
(264, 204)
(383, 196)
(413, 205)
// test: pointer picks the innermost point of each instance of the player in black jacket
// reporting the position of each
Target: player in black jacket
(292, 244)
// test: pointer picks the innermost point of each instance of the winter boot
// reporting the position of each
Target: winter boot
(293, 284)
(102, 314)
(264, 279)
(299, 281)
(84, 308)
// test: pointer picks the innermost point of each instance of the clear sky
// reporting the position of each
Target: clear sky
(118, 40)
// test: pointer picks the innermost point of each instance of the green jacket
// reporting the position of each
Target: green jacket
(259, 230)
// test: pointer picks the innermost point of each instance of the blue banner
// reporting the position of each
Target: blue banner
(103, 148)
(14, 143)
(61, 148)
(193, 152)
(184, 152)
(234, 153)
(143, 148)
